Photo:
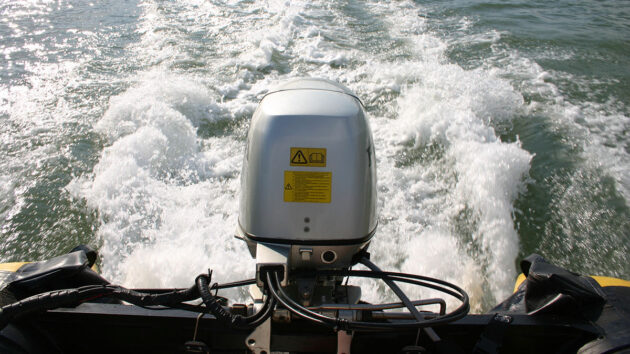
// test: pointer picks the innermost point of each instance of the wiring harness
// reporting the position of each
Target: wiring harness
(337, 323)
(273, 294)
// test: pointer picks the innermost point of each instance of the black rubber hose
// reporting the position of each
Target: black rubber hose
(73, 297)
(41, 302)
(337, 323)
(459, 293)
(202, 282)
(419, 280)
(396, 289)
(50, 300)
(236, 321)
(281, 299)
(265, 312)
(403, 297)
(171, 298)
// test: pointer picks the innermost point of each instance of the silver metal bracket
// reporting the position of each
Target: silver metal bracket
(274, 256)
(259, 341)
(344, 340)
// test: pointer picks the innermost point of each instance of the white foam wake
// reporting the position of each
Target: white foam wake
(168, 208)
(447, 183)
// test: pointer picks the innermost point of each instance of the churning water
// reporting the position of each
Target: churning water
(501, 129)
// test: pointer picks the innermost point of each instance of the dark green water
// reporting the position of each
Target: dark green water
(575, 205)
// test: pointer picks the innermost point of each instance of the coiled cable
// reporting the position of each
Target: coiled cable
(338, 323)
(235, 321)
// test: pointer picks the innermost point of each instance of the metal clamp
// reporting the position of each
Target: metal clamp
(259, 341)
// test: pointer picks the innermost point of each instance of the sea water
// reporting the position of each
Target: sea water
(500, 128)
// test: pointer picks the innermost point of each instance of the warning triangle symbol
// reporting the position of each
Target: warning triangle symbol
(299, 158)
(288, 187)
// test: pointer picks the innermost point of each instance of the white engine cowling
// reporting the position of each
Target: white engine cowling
(309, 175)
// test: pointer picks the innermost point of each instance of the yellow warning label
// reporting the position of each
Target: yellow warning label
(308, 157)
(307, 187)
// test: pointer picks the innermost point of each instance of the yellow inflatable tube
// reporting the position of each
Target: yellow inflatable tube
(602, 281)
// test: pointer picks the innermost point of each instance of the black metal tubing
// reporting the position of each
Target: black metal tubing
(338, 323)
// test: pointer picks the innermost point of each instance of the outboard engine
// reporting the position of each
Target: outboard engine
(308, 196)
(308, 213)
